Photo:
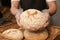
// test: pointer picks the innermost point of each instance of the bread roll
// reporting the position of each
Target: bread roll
(14, 34)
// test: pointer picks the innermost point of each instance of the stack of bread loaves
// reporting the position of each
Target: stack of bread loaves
(32, 21)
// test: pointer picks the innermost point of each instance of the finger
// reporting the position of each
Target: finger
(18, 19)
(46, 24)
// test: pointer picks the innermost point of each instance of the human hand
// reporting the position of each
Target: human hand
(17, 16)
(47, 15)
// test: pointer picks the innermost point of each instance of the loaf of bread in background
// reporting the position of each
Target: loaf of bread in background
(13, 34)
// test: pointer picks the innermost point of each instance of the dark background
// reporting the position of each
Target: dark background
(5, 3)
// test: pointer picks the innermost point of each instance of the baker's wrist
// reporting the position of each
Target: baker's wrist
(19, 11)
(46, 11)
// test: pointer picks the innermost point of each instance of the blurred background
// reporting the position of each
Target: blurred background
(55, 19)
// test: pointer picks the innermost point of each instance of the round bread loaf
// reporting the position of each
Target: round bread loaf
(14, 34)
(40, 35)
(32, 19)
